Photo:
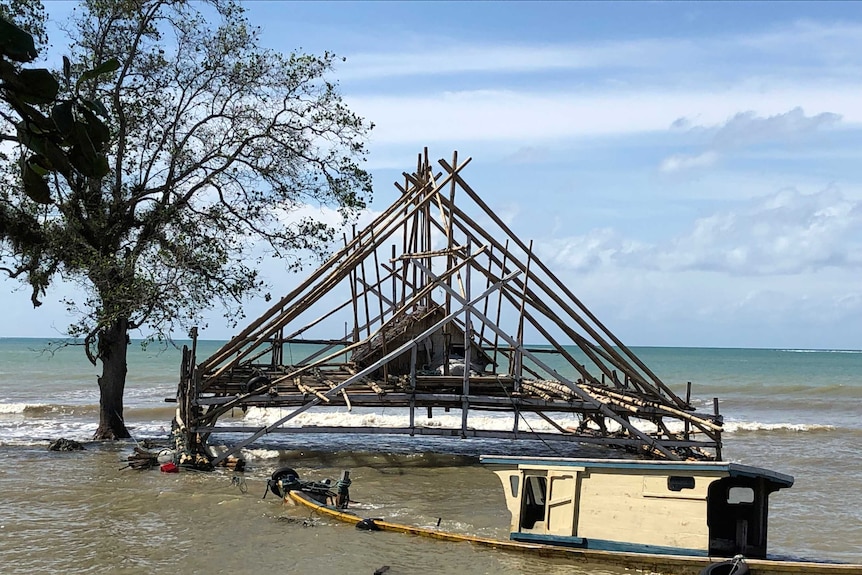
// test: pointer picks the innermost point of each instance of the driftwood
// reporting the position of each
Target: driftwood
(141, 459)
(64, 444)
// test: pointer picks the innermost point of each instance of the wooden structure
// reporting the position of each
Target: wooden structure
(439, 296)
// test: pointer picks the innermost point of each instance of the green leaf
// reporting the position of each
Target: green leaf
(32, 119)
(35, 185)
(15, 43)
(83, 154)
(96, 106)
(63, 118)
(52, 156)
(96, 129)
(39, 165)
(37, 86)
(105, 67)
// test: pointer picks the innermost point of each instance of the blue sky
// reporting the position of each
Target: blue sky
(691, 170)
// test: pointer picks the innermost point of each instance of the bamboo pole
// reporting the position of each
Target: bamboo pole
(568, 292)
(383, 222)
(468, 344)
(230, 347)
(367, 370)
(318, 290)
(547, 292)
(648, 442)
(519, 359)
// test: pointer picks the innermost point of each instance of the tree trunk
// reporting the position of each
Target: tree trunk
(112, 345)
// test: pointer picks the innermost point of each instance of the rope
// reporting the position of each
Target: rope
(524, 419)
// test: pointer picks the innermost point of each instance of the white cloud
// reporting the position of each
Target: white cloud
(455, 57)
(679, 162)
(518, 116)
(785, 233)
(825, 50)
(599, 248)
(508, 213)
(528, 155)
(747, 129)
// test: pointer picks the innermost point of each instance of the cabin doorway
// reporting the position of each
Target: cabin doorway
(736, 516)
(549, 503)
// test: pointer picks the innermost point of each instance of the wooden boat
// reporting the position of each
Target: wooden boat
(668, 517)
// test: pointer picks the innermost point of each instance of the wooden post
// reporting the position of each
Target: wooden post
(499, 311)
(519, 358)
(394, 282)
(718, 419)
(364, 293)
(468, 344)
(413, 353)
(687, 423)
(353, 297)
(343, 490)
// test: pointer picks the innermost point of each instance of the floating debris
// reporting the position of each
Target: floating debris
(63, 444)
(296, 521)
(142, 459)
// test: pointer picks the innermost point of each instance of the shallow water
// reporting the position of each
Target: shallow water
(794, 412)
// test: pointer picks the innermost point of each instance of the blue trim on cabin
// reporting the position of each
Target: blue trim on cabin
(732, 469)
(738, 470)
(604, 545)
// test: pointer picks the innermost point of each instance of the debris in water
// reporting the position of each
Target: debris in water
(296, 521)
(142, 459)
(63, 444)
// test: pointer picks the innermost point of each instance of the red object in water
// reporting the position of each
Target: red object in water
(169, 468)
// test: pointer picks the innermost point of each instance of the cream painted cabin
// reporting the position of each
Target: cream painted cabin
(684, 508)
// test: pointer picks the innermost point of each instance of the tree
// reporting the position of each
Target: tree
(213, 143)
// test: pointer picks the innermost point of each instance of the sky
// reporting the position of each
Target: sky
(690, 170)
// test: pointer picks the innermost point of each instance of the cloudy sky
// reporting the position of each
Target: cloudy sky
(692, 170)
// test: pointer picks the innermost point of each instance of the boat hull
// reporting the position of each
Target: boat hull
(661, 563)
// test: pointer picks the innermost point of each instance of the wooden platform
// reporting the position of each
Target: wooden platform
(437, 309)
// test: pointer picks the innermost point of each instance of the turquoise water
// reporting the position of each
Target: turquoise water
(795, 411)
(782, 390)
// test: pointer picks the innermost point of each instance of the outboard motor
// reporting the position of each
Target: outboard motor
(283, 481)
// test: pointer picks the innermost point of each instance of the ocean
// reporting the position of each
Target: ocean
(792, 410)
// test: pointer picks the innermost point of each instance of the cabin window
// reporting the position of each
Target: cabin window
(535, 488)
(678, 483)
(514, 482)
(740, 495)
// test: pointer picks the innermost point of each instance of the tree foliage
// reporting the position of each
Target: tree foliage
(213, 145)
(70, 136)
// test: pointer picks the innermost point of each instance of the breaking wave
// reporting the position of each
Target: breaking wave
(755, 426)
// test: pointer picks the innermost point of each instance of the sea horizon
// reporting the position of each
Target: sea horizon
(183, 340)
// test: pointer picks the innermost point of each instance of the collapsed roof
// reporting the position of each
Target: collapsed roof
(439, 296)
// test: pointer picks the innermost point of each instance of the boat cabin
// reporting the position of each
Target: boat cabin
(669, 507)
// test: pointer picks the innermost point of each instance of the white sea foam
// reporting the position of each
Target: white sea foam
(820, 350)
(260, 454)
(488, 421)
(368, 418)
(742, 426)
(9, 408)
